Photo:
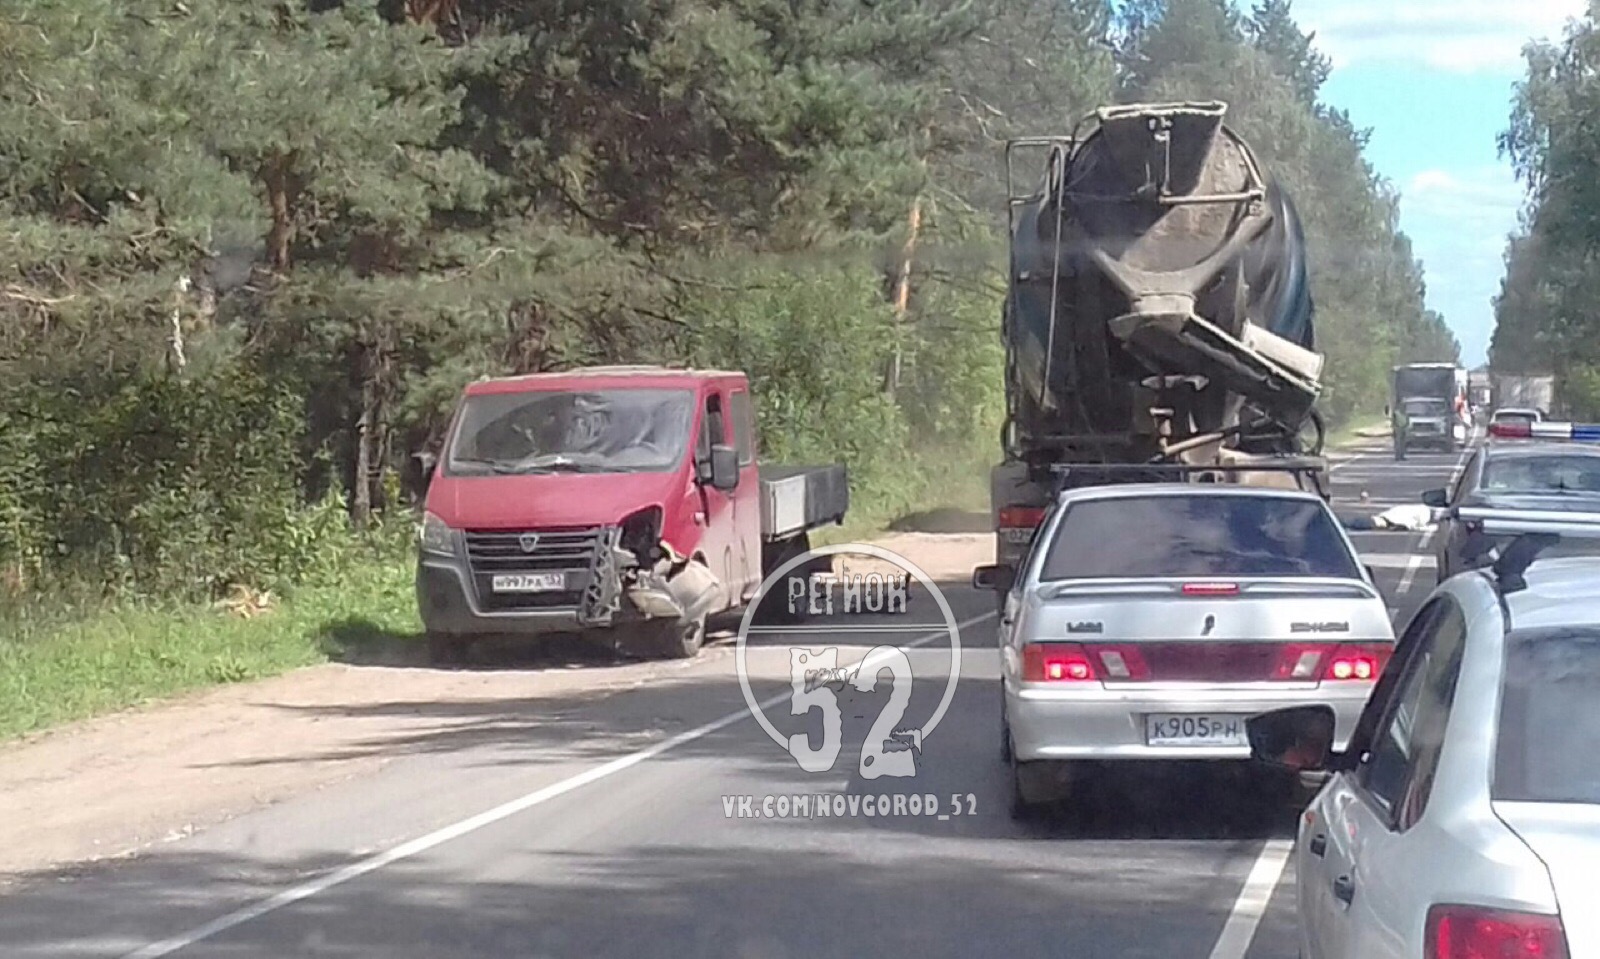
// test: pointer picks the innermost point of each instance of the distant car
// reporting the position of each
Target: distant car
(1544, 474)
(1515, 415)
(1463, 818)
(1147, 621)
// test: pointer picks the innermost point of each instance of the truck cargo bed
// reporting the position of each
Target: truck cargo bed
(797, 498)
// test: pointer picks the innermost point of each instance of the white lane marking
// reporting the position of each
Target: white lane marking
(1343, 463)
(1395, 560)
(306, 890)
(1450, 484)
(1414, 564)
(1248, 909)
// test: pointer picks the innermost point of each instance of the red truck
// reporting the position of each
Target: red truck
(625, 503)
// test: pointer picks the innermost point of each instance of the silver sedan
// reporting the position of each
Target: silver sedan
(1149, 621)
(1463, 819)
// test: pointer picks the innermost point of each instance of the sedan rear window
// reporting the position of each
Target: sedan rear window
(1542, 474)
(1549, 728)
(1197, 537)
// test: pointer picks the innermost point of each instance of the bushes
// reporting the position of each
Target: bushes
(817, 338)
(157, 485)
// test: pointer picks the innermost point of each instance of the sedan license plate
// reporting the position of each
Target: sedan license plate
(529, 582)
(1193, 730)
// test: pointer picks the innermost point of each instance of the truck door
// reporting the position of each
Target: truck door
(747, 498)
(717, 508)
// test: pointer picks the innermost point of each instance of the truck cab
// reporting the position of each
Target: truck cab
(623, 500)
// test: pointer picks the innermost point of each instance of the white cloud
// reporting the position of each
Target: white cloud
(1458, 36)
(1454, 199)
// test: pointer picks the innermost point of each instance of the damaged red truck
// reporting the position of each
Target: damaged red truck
(625, 503)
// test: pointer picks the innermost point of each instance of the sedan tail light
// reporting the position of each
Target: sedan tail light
(1337, 661)
(1057, 663)
(1468, 932)
(1356, 661)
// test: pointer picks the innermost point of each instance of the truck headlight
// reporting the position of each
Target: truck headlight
(641, 534)
(436, 536)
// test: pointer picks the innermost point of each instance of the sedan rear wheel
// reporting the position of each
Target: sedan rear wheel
(1030, 787)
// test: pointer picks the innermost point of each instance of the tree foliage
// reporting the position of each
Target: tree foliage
(1544, 316)
(250, 253)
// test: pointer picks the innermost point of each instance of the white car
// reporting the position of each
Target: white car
(1150, 621)
(1463, 819)
(1516, 415)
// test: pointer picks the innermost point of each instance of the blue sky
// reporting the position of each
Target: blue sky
(1433, 80)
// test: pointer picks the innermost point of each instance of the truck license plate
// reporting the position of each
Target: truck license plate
(1194, 730)
(529, 582)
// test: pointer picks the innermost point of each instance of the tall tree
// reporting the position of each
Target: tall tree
(1293, 53)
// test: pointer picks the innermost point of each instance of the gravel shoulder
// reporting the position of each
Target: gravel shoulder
(121, 783)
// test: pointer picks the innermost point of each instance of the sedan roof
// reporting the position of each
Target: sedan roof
(1147, 490)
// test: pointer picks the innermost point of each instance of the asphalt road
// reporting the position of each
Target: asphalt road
(616, 830)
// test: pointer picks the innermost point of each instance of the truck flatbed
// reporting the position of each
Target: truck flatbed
(798, 498)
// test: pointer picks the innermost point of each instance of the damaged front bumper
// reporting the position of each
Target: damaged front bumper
(469, 593)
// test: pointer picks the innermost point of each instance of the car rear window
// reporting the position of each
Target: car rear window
(1542, 474)
(1549, 727)
(1198, 536)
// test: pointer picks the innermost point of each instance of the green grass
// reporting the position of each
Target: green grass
(1349, 433)
(129, 654)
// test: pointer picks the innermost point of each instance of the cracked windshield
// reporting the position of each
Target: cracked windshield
(794, 479)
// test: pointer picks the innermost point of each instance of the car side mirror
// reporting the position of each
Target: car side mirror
(423, 465)
(724, 468)
(998, 578)
(1437, 498)
(1298, 738)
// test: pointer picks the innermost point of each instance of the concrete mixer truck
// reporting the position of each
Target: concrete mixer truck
(1158, 322)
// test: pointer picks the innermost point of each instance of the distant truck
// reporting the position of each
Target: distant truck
(1520, 391)
(624, 503)
(1423, 407)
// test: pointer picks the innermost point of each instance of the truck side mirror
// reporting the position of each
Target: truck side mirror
(422, 466)
(724, 468)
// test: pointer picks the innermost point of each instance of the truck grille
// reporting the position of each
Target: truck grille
(496, 552)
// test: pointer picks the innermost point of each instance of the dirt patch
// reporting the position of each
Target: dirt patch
(944, 557)
(112, 786)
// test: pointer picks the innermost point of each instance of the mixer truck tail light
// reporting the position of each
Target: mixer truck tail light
(1021, 516)
(1017, 523)
(1573, 432)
